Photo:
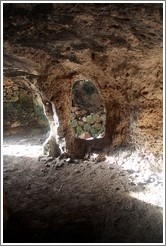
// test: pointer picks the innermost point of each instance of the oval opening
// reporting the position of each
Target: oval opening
(88, 114)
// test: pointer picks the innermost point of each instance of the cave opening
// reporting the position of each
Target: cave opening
(25, 125)
(88, 114)
(23, 110)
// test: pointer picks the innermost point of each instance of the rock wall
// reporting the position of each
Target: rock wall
(116, 46)
(88, 116)
(21, 110)
(89, 126)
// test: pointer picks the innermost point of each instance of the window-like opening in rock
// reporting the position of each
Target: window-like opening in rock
(88, 114)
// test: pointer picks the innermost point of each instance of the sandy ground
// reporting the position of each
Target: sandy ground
(116, 199)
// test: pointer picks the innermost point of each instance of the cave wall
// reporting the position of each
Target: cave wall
(22, 110)
(87, 126)
(116, 46)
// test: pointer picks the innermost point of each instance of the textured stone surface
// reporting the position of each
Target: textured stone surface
(84, 124)
(21, 110)
(117, 47)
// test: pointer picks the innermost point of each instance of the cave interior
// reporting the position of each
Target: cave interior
(82, 122)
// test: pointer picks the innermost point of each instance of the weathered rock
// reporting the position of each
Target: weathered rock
(79, 130)
(85, 135)
(15, 124)
(97, 126)
(87, 127)
(84, 119)
(51, 148)
(74, 123)
(119, 50)
(15, 88)
(21, 109)
(80, 123)
(90, 119)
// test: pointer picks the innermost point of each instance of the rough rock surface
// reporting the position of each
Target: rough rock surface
(88, 116)
(114, 194)
(22, 109)
(117, 47)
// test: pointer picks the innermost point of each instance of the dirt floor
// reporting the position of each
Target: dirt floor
(116, 199)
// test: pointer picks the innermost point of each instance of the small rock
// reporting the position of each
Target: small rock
(85, 135)
(132, 183)
(63, 156)
(61, 163)
(54, 161)
(15, 88)
(100, 158)
(76, 171)
(110, 167)
(131, 171)
(94, 172)
(69, 160)
(102, 167)
(49, 159)
(84, 119)
(15, 124)
(47, 165)
(135, 175)
(151, 180)
(41, 158)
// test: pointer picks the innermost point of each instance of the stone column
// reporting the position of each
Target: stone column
(50, 146)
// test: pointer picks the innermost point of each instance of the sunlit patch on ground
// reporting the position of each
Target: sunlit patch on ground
(26, 150)
(136, 161)
(148, 197)
(145, 172)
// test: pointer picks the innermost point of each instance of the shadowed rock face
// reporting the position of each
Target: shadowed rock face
(117, 46)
